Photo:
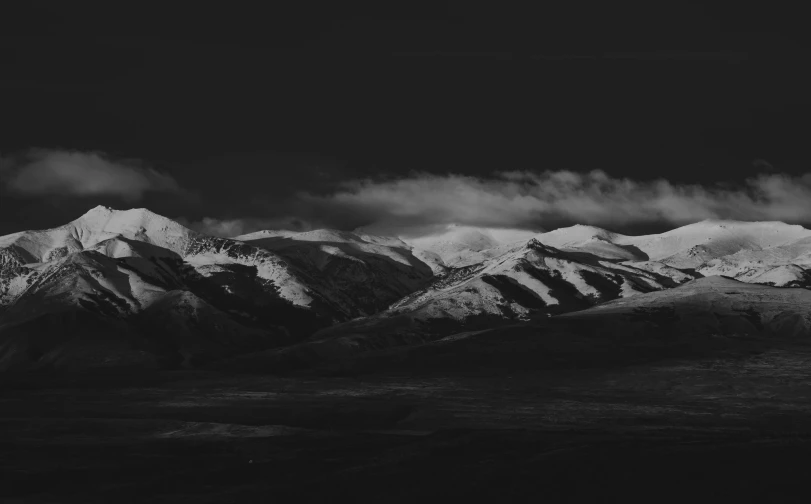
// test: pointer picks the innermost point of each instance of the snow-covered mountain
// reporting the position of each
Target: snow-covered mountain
(471, 261)
(362, 273)
(569, 270)
(532, 278)
(772, 253)
(132, 287)
(527, 281)
(160, 288)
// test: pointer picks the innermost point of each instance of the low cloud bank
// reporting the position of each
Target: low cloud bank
(229, 228)
(47, 172)
(554, 198)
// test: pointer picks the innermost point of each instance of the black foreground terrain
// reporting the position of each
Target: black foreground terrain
(735, 425)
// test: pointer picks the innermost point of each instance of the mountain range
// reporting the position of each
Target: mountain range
(130, 288)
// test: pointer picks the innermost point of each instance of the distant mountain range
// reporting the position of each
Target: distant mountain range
(133, 288)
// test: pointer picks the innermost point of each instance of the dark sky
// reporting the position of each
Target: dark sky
(244, 108)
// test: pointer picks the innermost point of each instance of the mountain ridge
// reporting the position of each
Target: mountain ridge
(270, 289)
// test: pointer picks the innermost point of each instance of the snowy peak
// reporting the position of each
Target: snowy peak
(460, 246)
(99, 209)
(597, 241)
(717, 238)
(577, 234)
(769, 252)
(137, 224)
(471, 238)
(97, 225)
(456, 238)
(535, 244)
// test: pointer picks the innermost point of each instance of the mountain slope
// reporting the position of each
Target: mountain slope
(362, 273)
(711, 305)
(141, 238)
(88, 309)
(284, 271)
(135, 287)
(529, 281)
(150, 285)
(585, 267)
(705, 317)
(694, 320)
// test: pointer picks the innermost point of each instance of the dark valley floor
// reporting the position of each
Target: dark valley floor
(736, 425)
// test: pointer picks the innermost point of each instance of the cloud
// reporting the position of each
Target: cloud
(762, 165)
(553, 198)
(229, 228)
(41, 172)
